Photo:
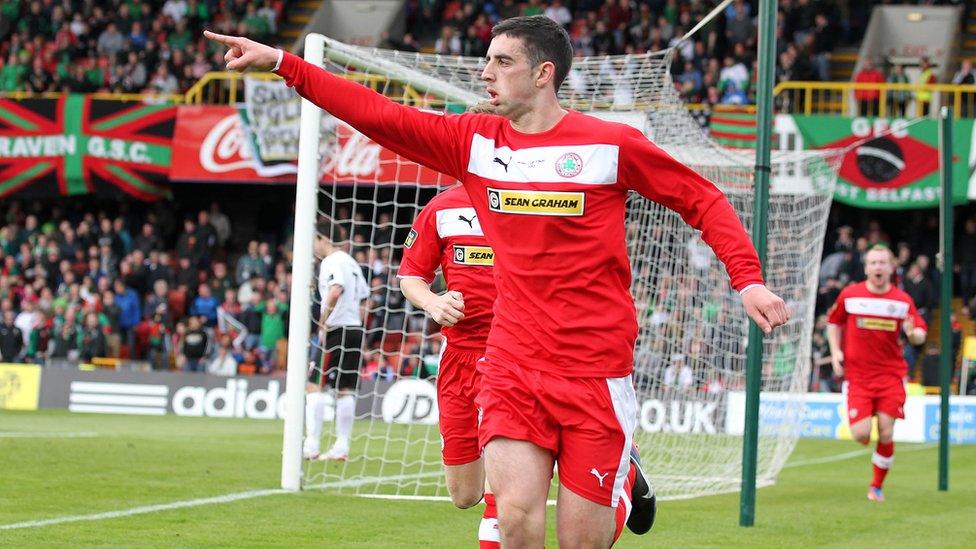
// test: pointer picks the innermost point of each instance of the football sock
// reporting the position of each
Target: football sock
(882, 459)
(314, 414)
(345, 412)
(488, 535)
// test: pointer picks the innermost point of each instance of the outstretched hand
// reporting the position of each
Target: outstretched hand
(243, 54)
(766, 308)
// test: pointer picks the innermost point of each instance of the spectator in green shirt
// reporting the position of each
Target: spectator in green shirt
(272, 328)
(12, 74)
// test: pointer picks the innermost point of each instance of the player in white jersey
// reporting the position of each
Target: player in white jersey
(342, 289)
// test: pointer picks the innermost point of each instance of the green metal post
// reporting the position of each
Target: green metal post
(946, 361)
(760, 214)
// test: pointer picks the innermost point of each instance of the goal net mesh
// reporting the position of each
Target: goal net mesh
(691, 349)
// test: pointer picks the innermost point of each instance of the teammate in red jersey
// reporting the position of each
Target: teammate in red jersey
(550, 188)
(871, 314)
(447, 234)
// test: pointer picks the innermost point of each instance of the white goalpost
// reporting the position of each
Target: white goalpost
(690, 356)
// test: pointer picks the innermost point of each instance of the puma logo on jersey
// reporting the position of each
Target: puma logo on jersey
(503, 163)
(598, 476)
(470, 222)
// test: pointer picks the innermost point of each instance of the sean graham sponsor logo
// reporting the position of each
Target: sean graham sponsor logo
(474, 255)
(549, 203)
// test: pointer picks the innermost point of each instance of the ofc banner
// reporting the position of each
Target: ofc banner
(892, 163)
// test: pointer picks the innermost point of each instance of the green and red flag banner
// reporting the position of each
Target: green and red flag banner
(77, 145)
(889, 164)
(733, 127)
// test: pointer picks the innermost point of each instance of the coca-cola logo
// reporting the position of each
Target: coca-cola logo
(226, 148)
(345, 154)
(354, 155)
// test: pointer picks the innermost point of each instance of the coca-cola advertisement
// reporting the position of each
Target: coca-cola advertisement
(213, 143)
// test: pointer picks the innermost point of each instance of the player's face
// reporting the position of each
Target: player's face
(878, 267)
(509, 76)
(322, 246)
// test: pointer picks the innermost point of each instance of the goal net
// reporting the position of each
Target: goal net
(690, 356)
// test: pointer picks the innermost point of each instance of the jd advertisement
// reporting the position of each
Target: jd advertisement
(887, 163)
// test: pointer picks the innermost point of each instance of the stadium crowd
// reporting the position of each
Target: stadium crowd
(717, 65)
(174, 292)
(154, 46)
(132, 46)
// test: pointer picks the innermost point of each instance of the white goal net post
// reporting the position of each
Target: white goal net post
(690, 356)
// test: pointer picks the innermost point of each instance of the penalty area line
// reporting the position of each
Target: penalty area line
(216, 500)
(851, 455)
(53, 434)
(440, 499)
(143, 510)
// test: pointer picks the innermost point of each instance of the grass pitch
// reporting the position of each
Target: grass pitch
(57, 465)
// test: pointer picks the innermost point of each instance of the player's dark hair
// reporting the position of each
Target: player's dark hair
(333, 231)
(543, 40)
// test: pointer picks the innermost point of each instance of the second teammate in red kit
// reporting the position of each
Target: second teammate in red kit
(871, 315)
(447, 235)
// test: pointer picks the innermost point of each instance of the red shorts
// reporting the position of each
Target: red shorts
(458, 382)
(587, 422)
(867, 398)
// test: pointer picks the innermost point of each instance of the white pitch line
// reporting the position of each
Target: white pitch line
(142, 510)
(444, 499)
(227, 498)
(26, 434)
(851, 455)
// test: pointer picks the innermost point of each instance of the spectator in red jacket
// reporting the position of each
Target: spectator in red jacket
(867, 99)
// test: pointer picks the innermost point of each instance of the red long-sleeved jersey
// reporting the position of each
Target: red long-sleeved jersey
(552, 205)
(447, 234)
(872, 325)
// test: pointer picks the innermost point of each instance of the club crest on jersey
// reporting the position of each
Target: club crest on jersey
(569, 165)
(549, 203)
(474, 255)
(410, 238)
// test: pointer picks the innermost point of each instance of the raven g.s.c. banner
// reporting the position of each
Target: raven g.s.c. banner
(76, 145)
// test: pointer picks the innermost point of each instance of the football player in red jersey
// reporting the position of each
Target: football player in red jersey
(549, 186)
(447, 235)
(872, 315)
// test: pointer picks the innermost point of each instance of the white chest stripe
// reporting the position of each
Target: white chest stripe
(876, 306)
(584, 164)
(458, 222)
